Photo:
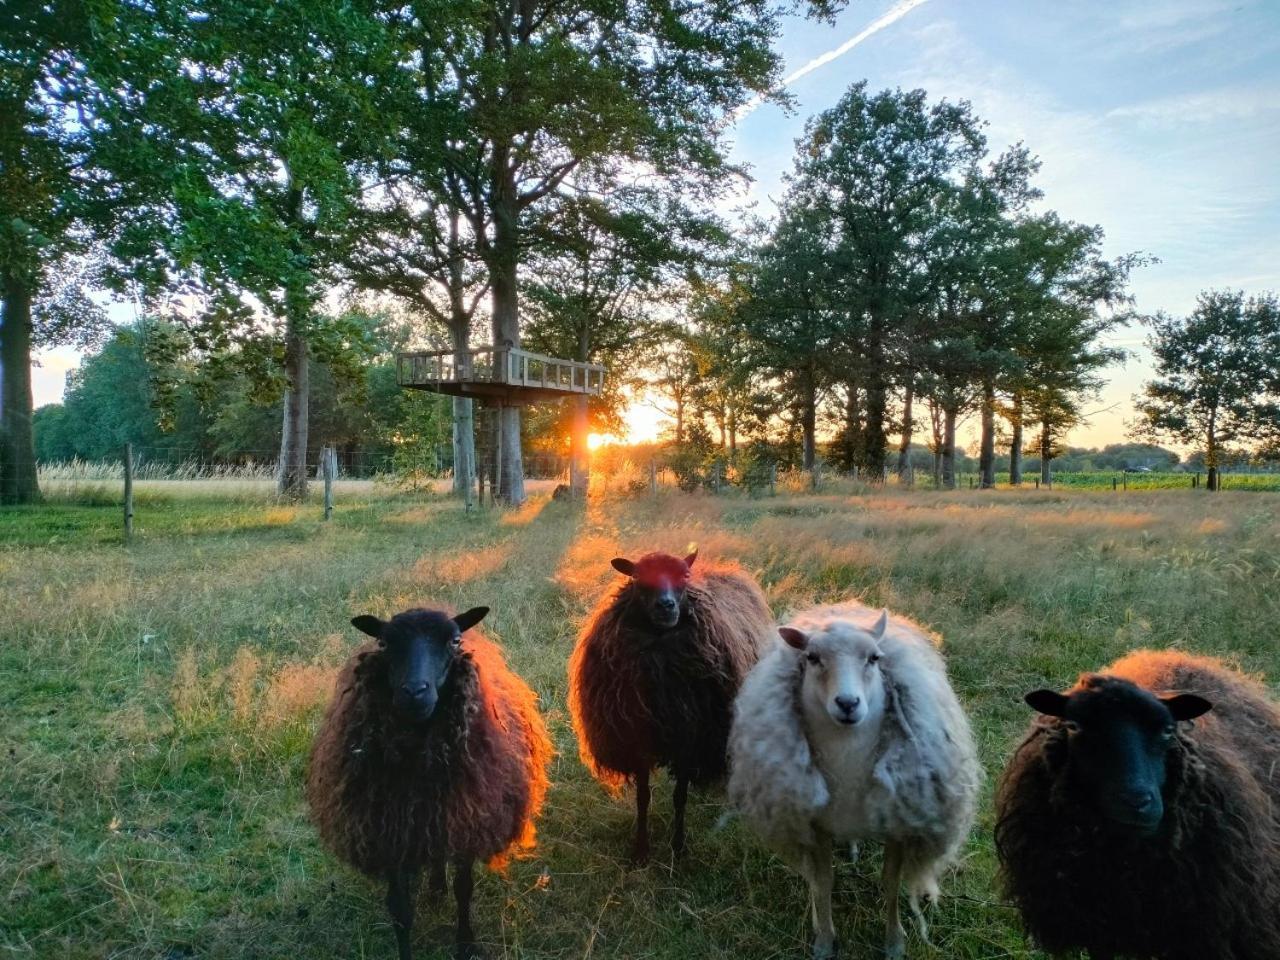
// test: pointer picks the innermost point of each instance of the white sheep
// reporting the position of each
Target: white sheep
(849, 731)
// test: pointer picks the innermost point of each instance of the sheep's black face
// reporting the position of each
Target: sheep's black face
(662, 581)
(420, 646)
(1119, 739)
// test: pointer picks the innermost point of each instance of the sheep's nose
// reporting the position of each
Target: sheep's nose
(667, 603)
(416, 691)
(848, 704)
(1138, 800)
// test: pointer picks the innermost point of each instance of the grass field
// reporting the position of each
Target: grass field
(158, 700)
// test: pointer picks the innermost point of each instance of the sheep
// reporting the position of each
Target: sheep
(431, 750)
(1125, 829)
(653, 676)
(850, 731)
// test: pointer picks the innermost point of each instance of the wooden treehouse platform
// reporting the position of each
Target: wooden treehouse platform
(508, 376)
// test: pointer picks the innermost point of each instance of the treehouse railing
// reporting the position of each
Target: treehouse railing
(489, 367)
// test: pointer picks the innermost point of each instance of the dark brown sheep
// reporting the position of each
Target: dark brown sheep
(1126, 830)
(654, 674)
(432, 750)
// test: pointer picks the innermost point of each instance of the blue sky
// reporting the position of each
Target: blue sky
(1159, 120)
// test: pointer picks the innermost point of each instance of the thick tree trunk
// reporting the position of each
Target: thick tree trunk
(1015, 445)
(809, 422)
(464, 431)
(987, 451)
(18, 483)
(908, 427)
(291, 472)
(504, 262)
(1046, 455)
(949, 448)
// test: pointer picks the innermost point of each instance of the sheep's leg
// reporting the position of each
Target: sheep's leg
(820, 874)
(640, 847)
(437, 882)
(462, 885)
(895, 938)
(402, 891)
(681, 798)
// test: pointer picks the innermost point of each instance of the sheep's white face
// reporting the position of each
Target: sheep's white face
(842, 678)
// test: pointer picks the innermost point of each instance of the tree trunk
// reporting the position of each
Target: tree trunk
(733, 432)
(1015, 445)
(809, 422)
(987, 453)
(1046, 454)
(18, 483)
(464, 432)
(1211, 458)
(504, 261)
(854, 439)
(949, 448)
(579, 450)
(291, 472)
(908, 427)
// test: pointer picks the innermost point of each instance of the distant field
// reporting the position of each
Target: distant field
(159, 700)
(1102, 480)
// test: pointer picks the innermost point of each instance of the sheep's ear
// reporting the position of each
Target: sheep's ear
(795, 638)
(1049, 702)
(1187, 706)
(370, 625)
(688, 561)
(882, 625)
(470, 618)
(623, 566)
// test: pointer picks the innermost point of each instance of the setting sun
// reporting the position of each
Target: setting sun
(597, 440)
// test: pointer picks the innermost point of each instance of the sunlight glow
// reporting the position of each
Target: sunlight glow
(597, 440)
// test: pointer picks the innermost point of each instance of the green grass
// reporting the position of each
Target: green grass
(158, 700)
(1102, 480)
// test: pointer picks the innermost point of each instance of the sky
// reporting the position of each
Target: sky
(1157, 119)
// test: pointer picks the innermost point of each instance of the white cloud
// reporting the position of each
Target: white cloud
(887, 19)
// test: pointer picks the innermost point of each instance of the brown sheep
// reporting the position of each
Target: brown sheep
(1126, 830)
(432, 750)
(654, 674)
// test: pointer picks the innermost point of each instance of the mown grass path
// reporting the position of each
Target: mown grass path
(157, 703)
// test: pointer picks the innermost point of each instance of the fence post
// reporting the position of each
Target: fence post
(329, 466)
(653, 477)
(128, 492)
(1037, 483)
(1125, 478)
(773, 479)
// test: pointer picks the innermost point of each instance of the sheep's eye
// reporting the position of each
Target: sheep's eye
(1072, 726)
(874, 658)
(813, 658)
(1170, 730)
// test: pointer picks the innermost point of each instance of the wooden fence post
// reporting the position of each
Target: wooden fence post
(1037, 483)
(773, 479)
(128, 492)
(653, 477)
(329, 467)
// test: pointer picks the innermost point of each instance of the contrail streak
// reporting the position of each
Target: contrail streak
(888, 19)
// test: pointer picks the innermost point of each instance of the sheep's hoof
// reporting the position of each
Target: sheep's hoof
(640, 855)
(827, 951)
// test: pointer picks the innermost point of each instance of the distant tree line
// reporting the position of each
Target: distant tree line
(264, 175)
